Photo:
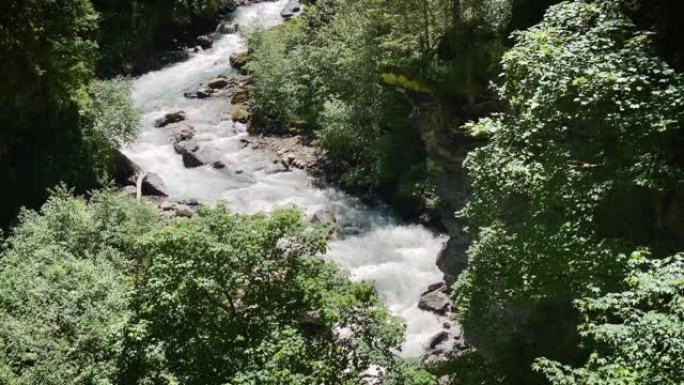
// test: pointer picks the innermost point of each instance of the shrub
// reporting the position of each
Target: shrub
(577, 172)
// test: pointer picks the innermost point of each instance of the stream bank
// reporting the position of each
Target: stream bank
(373, 244)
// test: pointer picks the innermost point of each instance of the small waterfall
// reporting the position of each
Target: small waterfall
(398, 258)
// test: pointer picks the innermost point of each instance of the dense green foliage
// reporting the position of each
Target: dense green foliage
(131, 29)
(64, 291)
(321, 73)
(581, 169)
(244, 300)
(104, 292)
(59, 123)
(352, 74)
(639, 332)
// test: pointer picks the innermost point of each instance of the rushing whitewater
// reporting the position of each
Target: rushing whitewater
(398, 258)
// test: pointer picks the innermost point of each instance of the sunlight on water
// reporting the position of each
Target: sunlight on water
(398, 258)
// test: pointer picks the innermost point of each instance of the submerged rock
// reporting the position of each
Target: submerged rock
(170, 118)
(205, 41)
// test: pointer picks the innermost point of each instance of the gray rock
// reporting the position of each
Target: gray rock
(438, 286)
(327, 219)
(438, 339)
(324, 217)
(190, 202)
(153, 185)
(191, 160)
(127, 191)
(170, 118)
(434, 301)
(166, 206)
(195, 156)
(181, 132)
(185, 146)
(184, 211)
(452, 258)
(205, 41)
(205, 93)
(238, 60)
(290, 9)
(217, 83)
(227, 28)
(124, 169)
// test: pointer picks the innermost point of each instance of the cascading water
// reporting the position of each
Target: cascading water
(398, 258)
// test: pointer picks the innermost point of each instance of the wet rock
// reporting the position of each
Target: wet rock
(190, 95)
(195, 156)
(445, 348)
(190, 202)
(290, 9)
(181, 132)
(327, 219)
(452, 259)
(127, 191)
(227, 28)
(239, 97)
(241, 115)
(323, 217)
(170, 118)
(184, 211)
(205, 41)
(238, 60)
(438, 286)
(438, 339)
(219, 165)
(166, 206)
(124, 169)
(217, 83)
(185, 146)
(153, 185)
(435, 300)
(205, 93)
(191, 160)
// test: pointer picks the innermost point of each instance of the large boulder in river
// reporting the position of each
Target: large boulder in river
(153, 185)
(238, 60)
(204, 41)
(126, 173)
(452, 258)
(218, 83)
(124, 169)
(170, 118)
(195, 156)
(290, 9)
(435, 299)
(181, 132)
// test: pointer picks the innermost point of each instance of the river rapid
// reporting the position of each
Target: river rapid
(399, 258)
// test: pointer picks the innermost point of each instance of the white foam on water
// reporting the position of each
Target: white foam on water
(398, 258)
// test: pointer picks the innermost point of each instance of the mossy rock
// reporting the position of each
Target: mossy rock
(240, 96)
(238, 60)
(241, 115)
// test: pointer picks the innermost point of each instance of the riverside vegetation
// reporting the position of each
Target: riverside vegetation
(572, 220)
